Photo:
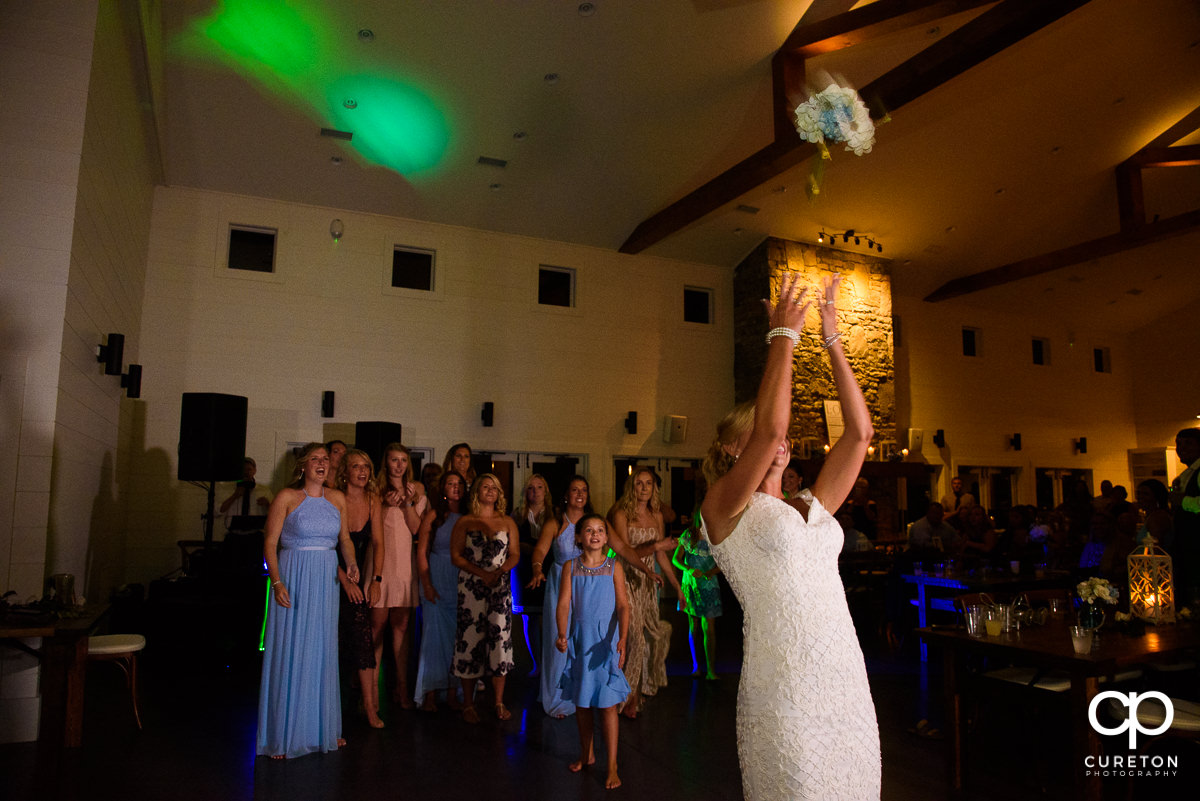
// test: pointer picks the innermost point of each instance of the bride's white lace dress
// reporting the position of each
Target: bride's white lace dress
(805, 719)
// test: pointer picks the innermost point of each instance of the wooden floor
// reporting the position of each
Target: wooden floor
(199, 708)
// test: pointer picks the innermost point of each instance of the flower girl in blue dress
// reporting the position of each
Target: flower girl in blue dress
(591, 598)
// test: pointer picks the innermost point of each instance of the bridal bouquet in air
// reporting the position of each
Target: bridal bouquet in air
(1096, 589)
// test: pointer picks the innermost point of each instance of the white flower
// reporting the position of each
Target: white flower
(836, 114)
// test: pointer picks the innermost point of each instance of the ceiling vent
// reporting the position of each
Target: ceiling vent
(744, 209)
(488, 161)
(333, 133)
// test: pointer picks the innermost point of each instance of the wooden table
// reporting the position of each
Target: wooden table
(1049, 647)
(64, 669)
(932, 590)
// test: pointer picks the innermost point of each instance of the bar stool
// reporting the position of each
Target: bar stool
(122, 649)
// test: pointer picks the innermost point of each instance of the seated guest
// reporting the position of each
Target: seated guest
(933, 524)
(863, 509)
(978, 532)
(1152, 509)
(854, 540)
(1016, 543)
(1101, 533)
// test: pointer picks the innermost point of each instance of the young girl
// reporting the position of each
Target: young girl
(592, 598)
(701, 597)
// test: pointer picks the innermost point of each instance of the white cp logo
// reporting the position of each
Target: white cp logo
(1131, 722)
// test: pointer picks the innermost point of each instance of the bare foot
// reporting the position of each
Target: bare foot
(278, 756)
(613, 781)
(429, 705)
(341, 742)
(470, 714)
(502, 712)
(375, 721)
(629, 711)
(575, 767)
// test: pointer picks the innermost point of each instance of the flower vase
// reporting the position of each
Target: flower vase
(1091, 616)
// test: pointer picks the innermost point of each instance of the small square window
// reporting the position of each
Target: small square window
(697, 305)
(412, 268)
(972, 341)
(556, 286)
(252, 249)
(1102, 360)
(1041, 350)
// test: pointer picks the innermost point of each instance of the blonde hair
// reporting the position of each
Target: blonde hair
(732, 427)
(521, 512)
(302, 458)
(342, 479)
(628, 501)
(501, 502)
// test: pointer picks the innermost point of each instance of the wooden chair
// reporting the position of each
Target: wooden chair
(122, 649)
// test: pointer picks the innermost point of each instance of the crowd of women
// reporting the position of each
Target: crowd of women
(448, 543)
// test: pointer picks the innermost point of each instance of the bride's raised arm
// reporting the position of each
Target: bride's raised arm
(845, 459)
(739, 458)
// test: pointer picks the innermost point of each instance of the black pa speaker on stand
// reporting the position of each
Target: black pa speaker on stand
(212, 444)
(373, 436)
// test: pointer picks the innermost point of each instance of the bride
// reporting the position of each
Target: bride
(805, 719)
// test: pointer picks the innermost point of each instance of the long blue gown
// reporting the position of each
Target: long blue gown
(439, 620)
(563, 549)
(299, 702)
(592, 676)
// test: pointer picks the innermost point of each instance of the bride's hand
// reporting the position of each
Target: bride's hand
(828, 308)
(789, 310)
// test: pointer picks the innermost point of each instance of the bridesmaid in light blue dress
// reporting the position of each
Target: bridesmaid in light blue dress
(299, 705)
(439, 593)
(557, 536)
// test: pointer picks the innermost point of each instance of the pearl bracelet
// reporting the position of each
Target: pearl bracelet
(783, 332)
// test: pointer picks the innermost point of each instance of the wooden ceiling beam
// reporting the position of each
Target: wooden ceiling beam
(1180, 156)
(991, 32)
(1188, 125)
(870, 22)
(1086, 251)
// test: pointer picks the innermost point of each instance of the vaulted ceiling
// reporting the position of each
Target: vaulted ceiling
(607, 113)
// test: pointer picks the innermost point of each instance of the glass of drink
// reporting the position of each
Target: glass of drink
(975, 620)
(1081, 638)
(994, 620)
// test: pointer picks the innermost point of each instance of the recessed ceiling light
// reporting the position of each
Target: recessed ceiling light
(737, 231)
(1000, 191)
(520, 136)
(350, 102)
(1118, 101)
(366, 35)
(1056, 149)
(587, 9)
(934, 31)
(551, 78)
(950, 228)
(494, 187)
(780, 189)
(335, 161)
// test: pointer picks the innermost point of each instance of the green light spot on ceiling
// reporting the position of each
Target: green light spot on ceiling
(265, 34)
(394, 125)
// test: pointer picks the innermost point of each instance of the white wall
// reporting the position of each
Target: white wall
(561, 380)
(981, 401)
(1166, 392)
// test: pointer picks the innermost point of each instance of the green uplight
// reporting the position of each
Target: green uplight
(394, 124)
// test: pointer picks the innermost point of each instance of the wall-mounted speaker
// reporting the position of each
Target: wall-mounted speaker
(1015, 442)
(327, 403)
(674, 428)
(939, 438)
(212, 436)
(631, 423)
(112, 354)
(488, 414)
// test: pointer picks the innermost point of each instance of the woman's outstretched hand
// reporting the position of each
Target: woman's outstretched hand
(829, 307)
(790, 309)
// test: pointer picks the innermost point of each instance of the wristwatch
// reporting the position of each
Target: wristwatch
(379, 578)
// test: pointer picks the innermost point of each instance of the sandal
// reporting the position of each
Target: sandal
(502, 712)
(469, 714)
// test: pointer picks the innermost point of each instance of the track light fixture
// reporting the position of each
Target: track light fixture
(846, 236)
